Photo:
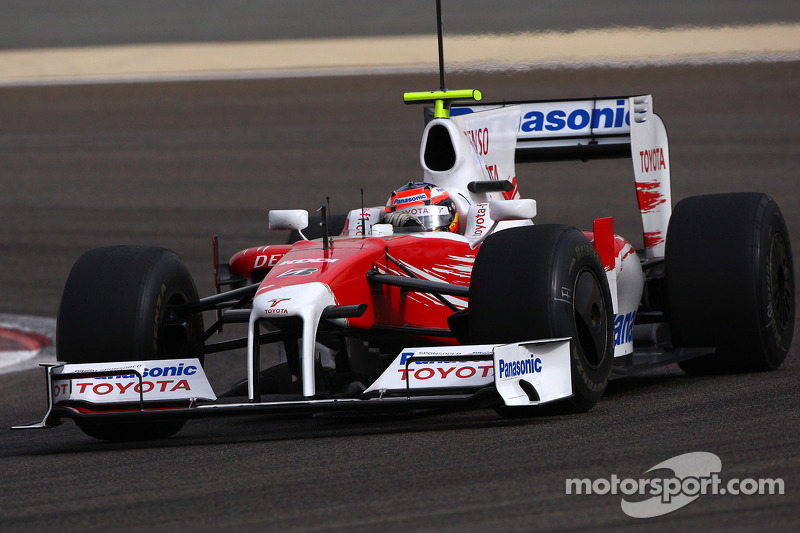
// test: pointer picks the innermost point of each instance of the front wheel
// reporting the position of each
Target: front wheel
(124, 303)
(543, 282)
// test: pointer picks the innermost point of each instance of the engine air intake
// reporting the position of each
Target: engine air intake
(440, 154)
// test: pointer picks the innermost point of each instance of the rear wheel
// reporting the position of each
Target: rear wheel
(542, 282)
(730, 282)
(122, 303)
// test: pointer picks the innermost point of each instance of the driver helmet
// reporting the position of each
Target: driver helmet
(432, 206)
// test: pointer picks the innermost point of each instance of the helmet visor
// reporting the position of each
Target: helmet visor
(433, 217)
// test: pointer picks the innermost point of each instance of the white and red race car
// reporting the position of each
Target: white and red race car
(447, 297)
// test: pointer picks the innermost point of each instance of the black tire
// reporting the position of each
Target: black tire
(730, 282)
(120, 304)
(314, 229)
(541, 282)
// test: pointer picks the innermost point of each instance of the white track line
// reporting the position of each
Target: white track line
(23, 360)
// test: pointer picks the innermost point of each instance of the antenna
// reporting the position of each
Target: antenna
(442, 86)
(363, 218)
(441, 99)
(323, 209)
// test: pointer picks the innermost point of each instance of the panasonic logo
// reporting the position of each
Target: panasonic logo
(416, 198)
(623, 328)
(520, 368)
(580, 118)
(160, 371)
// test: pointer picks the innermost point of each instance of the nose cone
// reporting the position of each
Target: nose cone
(306, 301)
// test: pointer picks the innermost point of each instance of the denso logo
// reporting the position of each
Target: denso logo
(579, 118)
(520, 368)
(266, 260)
(479, 139)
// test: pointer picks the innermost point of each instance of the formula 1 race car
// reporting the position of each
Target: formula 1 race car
(446, 297)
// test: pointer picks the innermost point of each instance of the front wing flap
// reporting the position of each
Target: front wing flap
(533, 373)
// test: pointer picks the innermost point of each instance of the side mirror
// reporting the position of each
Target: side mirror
(381, 230)
(503, 210)
(288, 219)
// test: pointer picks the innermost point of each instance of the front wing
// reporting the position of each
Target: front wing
(519, 374)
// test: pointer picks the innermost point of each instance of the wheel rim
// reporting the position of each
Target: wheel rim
(591, 318)
(781, 282)
(175, 328)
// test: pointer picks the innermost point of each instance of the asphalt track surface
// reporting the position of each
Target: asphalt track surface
(172, 164)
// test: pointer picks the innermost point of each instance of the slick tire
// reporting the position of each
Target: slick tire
(121, 303)
(730, 282)
(543, 282)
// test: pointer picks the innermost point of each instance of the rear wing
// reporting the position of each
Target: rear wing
(565, 130)
(600, 128)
